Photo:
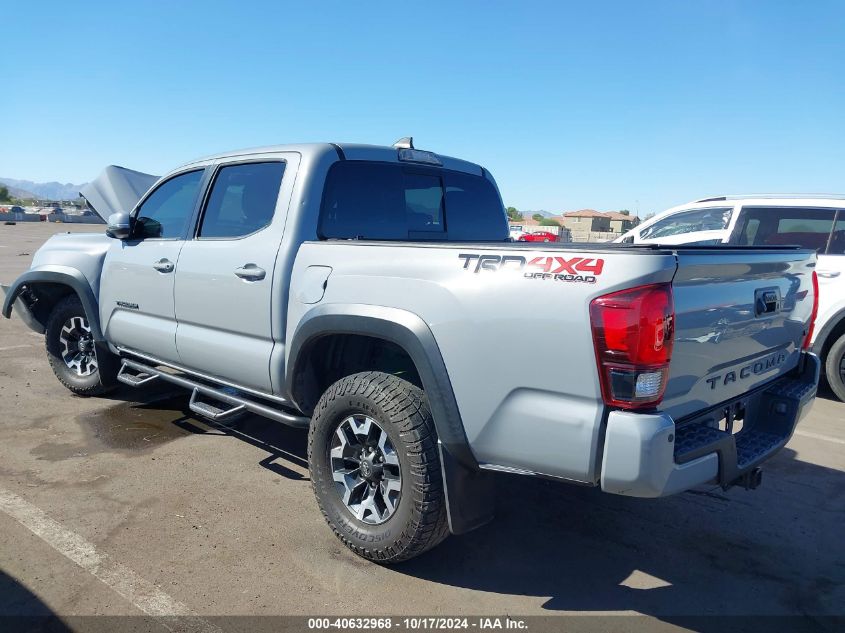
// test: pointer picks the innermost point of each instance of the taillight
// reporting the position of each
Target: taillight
(633, 331)
(809, 338)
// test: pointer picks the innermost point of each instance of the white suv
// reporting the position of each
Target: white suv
(811, 220)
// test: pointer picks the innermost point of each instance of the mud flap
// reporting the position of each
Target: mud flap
(469, 494)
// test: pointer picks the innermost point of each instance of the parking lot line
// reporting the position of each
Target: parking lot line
(143, 594)
(819, 436)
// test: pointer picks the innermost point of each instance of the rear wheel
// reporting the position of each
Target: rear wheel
(834, 367)
(375, 469)
(70, 348)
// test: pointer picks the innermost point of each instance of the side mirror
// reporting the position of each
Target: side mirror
(119, 226)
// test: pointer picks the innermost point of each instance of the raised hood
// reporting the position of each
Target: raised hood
(116, 190)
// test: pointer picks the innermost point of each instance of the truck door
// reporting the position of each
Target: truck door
(224, 285)
(136, 292)
(831, 271)
(819, 228)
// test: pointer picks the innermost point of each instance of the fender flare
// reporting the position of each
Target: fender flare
(469, 492)
(64, 275)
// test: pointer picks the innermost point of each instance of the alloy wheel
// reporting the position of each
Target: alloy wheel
(78, 346)
(365, 469)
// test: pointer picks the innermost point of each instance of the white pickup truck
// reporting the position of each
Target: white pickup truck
(368, 294)
(813, 221)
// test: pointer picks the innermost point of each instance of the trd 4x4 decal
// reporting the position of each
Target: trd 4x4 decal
(583, 269)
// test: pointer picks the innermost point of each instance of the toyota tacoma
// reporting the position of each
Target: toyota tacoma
(367, 293)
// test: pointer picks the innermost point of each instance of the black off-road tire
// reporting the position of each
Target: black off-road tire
(90, 385)
(833, 367)
(400, 408)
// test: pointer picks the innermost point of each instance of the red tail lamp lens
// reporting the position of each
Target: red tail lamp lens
(809, 338)
(633, 335)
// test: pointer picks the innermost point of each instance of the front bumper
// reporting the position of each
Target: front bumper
(649, 455)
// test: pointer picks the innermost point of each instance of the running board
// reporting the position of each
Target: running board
(236, 404)
(211, 412)
(134, 380)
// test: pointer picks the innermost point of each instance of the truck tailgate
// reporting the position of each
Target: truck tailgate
(740, 319)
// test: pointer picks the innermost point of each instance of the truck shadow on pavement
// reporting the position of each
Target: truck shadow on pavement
(774, 551)
(142, 418)
(22, 610)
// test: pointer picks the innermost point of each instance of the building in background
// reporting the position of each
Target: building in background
(621, 222)
(586, 225)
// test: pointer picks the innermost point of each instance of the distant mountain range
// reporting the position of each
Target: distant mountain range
(41, 190)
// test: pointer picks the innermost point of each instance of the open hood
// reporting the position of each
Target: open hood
(116, 190)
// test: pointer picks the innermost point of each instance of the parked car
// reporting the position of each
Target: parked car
(297, 283)
(538, 236)
(815, 221)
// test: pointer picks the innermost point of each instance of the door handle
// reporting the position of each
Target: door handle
(164, 266)
(828, 274)
(250, 272)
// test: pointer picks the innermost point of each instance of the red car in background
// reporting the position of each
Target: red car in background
(538, 236)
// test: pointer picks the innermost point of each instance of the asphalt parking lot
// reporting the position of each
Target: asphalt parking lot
(108, 506)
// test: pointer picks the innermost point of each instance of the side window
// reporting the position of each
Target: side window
(166, 212)
(474, 210)
(750, 232)
(710, 219)
(242, 200)
(785, 226)
(837, 239)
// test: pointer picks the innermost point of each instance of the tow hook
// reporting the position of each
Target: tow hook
(752, 479)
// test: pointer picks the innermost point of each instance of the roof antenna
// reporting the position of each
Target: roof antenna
(406, 142)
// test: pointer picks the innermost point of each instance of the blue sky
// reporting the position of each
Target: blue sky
(592, 104)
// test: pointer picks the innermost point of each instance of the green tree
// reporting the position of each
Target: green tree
(514, 214)
(625, 212)
(4, 194)
(538, 216)
(548, 222)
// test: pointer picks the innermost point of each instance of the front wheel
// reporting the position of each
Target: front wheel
(375, 469)
(70, 349)
(834, 367)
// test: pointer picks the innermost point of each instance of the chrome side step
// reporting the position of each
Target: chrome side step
(134, 380)
(208, 410)
(134, 373)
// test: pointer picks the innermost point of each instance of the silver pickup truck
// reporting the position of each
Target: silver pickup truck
(372, 295)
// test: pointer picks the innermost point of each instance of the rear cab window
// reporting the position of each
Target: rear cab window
(791, 226)
(390, 201)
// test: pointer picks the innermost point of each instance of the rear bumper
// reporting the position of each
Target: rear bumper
(648, 455)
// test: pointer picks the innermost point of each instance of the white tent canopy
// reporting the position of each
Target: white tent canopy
(116, 190)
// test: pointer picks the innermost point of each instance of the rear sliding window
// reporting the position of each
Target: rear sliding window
(790, 226)
(389, 201)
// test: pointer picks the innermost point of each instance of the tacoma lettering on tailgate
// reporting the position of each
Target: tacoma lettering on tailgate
(752, 369)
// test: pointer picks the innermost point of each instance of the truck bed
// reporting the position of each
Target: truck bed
(516, 337)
